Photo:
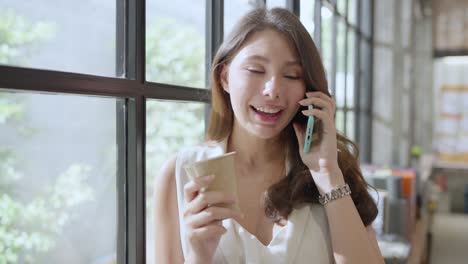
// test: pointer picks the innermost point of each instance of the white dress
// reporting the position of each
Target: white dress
(304, 239)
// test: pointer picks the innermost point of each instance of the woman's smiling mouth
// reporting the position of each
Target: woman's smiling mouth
(267, 114)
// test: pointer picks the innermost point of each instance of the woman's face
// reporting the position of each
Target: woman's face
(265, 83)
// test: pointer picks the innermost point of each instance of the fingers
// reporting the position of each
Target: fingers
(326, 118)
(320, 100)
(212, 215)
(192, 188)
(212, 230)
(205, 199)
(322, 96)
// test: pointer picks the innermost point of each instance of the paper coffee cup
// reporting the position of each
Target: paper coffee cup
(222, 167)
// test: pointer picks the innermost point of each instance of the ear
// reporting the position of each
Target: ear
(224, 78)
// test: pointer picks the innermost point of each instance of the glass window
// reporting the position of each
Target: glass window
(307, 15)
(366, 24)
(403, 151)
(71, 36)
(276, 3)
(341, 5)
(406, 11)
(350, 69)
(383, 82)
(350, 125)
(233, 11)
(175, 42)
(327, 41)
(405, 109)
(352, 11)
(384, 26)
(169, 127)
(365, 78)
(58, 179)
(341, 64)
(339, 121)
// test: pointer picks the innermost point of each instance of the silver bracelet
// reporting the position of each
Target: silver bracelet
(334, 194)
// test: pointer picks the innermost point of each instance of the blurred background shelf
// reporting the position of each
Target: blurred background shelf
(439, 164)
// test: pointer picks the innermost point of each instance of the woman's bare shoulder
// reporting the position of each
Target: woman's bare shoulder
(166, 176)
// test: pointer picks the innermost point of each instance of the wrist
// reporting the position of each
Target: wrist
(326, 181)
(335, 194)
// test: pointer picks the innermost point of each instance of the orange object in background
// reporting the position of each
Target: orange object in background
(408, 178)
(408, 192)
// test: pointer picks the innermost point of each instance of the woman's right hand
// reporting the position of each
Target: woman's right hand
(203, 218)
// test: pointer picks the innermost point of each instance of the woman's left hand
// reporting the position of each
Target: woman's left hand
(322, 159)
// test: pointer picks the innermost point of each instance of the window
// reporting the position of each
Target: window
(307, 16)
(350, 69)
(233, 11)
(58, 179)
(340, 87)
(352, 9)
(175, 42)
(341, 5)
(169, 127)
(34, 34)
(276, 3)
(346, 51)
(327, 43)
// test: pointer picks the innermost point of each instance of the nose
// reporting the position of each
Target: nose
(271, 88)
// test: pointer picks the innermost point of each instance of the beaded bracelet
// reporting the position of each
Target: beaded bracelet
(334, 194)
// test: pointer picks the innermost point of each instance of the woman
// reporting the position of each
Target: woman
(263, 78)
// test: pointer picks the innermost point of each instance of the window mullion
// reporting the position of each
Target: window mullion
(214, 38)
(293, 6)
(136, 127)
(318, 24)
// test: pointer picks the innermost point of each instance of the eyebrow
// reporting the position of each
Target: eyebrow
(262, 58)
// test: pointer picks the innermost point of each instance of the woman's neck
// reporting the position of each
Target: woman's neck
(255, 152)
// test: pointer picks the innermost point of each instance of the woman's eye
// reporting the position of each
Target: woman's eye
(292, 77)
(255, 70)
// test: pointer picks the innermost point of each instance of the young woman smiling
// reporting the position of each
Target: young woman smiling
(296, 207)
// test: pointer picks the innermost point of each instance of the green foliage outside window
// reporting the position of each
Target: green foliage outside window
(175, 54)
(18, 36)
(29, 228)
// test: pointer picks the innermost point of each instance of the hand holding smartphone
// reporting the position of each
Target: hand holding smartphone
(308, 134)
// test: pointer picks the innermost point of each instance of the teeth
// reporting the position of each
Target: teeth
(266, 110)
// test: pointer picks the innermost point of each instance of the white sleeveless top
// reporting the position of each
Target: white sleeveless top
(304, 239)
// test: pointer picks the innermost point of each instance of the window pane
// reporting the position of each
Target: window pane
(175, 42)
(67, 35)
(352, 9)
(341, 63)
(365, 78)
(307, 15)
(341, 4)
(327, 44)
(366, 24)
(406, 22)
(276, 3)
(350, 126)
(169, 127)
(350, 69)
(339, 121)
(233, 11)
(58, 178)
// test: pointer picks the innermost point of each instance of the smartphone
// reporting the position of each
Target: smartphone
(308, 133)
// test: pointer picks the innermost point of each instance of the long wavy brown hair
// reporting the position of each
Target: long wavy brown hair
(297, 186)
